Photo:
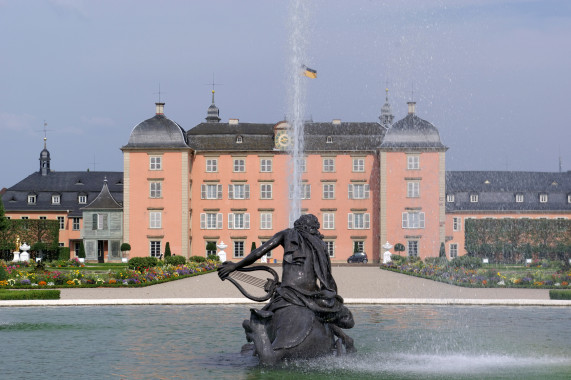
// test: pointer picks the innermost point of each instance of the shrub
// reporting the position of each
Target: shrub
(81, 253)
(139, 263)
(3, 273)
(197, 259)
(398, 259)
(439, 261)
(175, 260)
(63, 253)
(213, 257)
(556, 294)
(125, 247)
(467, 262)
(399, 247)
(51, 294)
(168, 250)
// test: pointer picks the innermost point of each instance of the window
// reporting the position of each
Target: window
(304, 191)
(99, 222)
(239, 140)
(61, 220)
(43, 217)
(239, 221)
(328, 220)
(32, 199)
(56, 199)
(239, 165)
(25, 218)
(82, 199)
(330, 247)
(413, 247)
(328, 165)
(155, 248)
(543, 198)
(519, 198)
(211, 165)
(412, 162)
(155, 163)
(412, 220)
(266, 165)
(473, 198)
(358, 165)
(453, 250)
(211, 221)
(302, 165)
(155, 219)
(329, 140)
(238, 249)
(450, 198)
(266, 221)
(239, 191)
(412, 189)
(266, 191)
(358, 246)
(211, 191)
(358, 191)
(155, 189)
(76, 248)
(210, 252)
(568, 198)
(328, 191)
(358, 221)
(75, 224)
(456, 224)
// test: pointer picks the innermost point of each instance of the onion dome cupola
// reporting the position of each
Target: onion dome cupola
(45, 160)
(412, 132)
(387, 116)
(213, 115)
(158, 132)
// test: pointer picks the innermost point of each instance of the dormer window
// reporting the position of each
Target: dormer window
(329, 140)
(56, 199)
(543, 198)
(82, 199)
(568, 198)
(474, 198)
(32, 199)
(519, 198)
(450, 198)
(239, 140)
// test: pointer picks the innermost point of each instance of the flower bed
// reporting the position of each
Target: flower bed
(21, 277)
(483, 277)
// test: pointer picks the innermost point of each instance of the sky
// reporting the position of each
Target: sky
(492, 75)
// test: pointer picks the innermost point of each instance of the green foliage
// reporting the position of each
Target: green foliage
(197, 259)
(399, 247)
(51, 294)
(466, 262)
(253, 246)
(439, 261)
(442, 250)
(81, 253)
(167, 250)
(398, 259)
(63, 253)
(211, 246)
(175, 260)
(141, 263)
(213, 257)
(3, 273)
(557, 294)
(125, 247)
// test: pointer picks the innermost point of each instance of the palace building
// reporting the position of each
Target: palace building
(367, 182)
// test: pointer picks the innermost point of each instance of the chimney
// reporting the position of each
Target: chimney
(411, 106)
(233, 121)
(336, 122)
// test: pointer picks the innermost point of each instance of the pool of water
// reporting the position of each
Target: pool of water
(203, 342)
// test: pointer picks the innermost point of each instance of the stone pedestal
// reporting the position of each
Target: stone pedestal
(16, 256)
(221, 246)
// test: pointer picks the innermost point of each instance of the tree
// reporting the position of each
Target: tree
(399, 247)
(442, 250)
(7, 238)
(125, 247)
(253, 246)
(167, 250)
(81, 253)
(211, 247)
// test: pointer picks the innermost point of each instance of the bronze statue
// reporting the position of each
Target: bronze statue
(305, 315)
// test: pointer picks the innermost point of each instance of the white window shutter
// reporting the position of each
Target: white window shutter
(350, 221)
(219, 191)
(202, 191)
(202, 221)
(404, 220)
(94, 222)
(367, 192)
(219, 224)
(230, 221)
(421, 220)
(230, 191)
(247, 191)
(367, 218)
(247, 221)
(350, 190)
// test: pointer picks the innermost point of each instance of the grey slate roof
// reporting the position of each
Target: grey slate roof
(497, 190)
(104, 201)
(412, 132)
(157, 132)
(69, 185)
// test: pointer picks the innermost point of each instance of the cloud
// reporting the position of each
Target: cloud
(17, 122)
(98, 121)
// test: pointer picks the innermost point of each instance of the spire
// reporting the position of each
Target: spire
(387, 116)
(213, 112)
(45, 159)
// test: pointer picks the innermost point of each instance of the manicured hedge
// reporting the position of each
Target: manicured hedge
(51, 294)
(556, 294)
(197, 259)
(139, 263)
(175, 260)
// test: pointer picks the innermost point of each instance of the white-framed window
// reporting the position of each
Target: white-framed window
(56, 199)
(155, 248)
(155, 163)
(239, 140)
(302, 164)
(155, 219)
(155, 189)
(43, 218)
(239, 191)
(456, 224)
(211, 221)
(304, 190)
(239, 221)
(266, 191)
(358, 191)
(519, 198)
(473, 198)
(265, 165)
(329, 140)
(238, 250)
(239, 165)
(450, 198)
(210, 252)
(328, 165)
(211, 191)
(75, 224)
(412, 189)
(76, 248)
(328, 191)
(358, 246)
(25, 218)
(266, 220)
(453, 250)
(212, 165)
(358, 165)
(32, 199)
(568, 198)
(412, 219)
(543, 198)
(82, 199)
(330, 247)
(328, 220)
(61, 220)
(412, 247)
(358, 221)
(99, 222)
(412, 162)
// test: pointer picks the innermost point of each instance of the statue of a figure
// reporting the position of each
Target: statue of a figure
(305, 316)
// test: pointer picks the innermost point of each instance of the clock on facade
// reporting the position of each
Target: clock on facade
(282, 139)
